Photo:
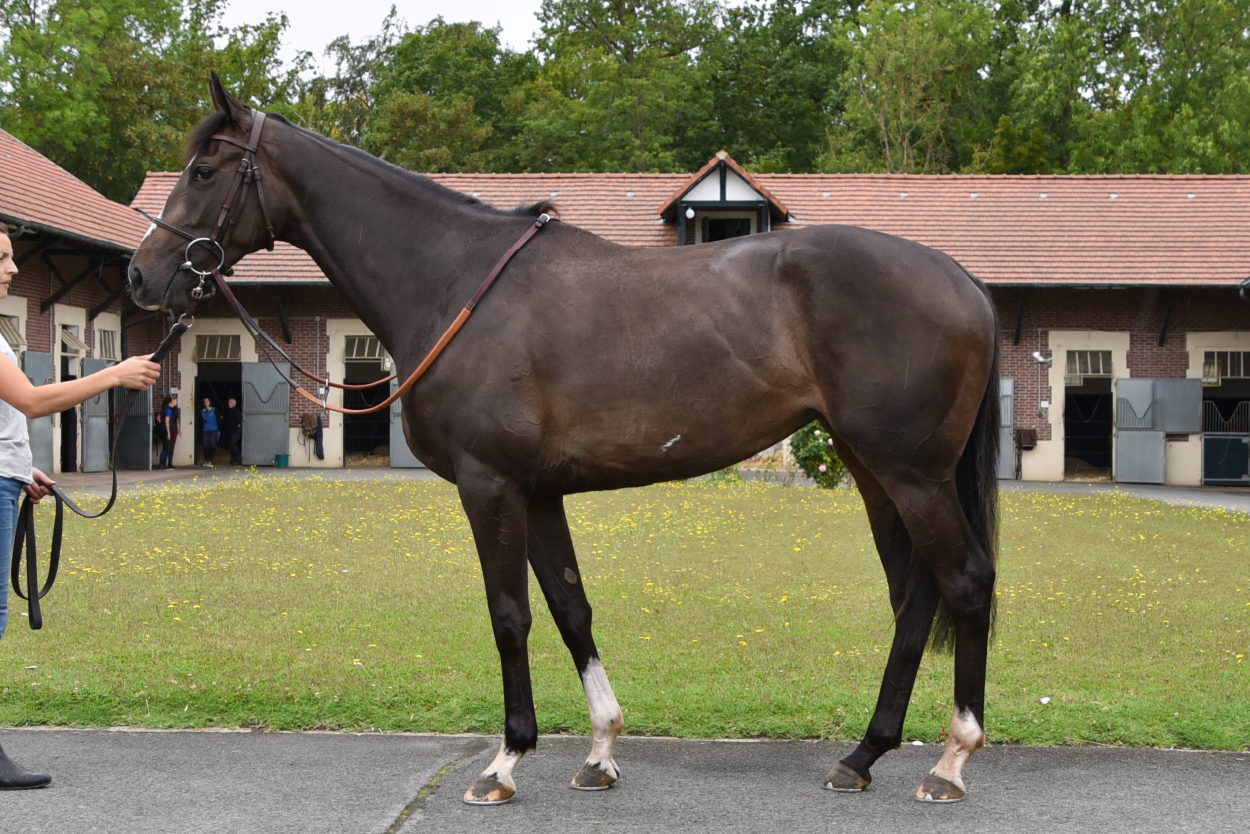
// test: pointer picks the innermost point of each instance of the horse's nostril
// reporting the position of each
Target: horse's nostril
(136, 277)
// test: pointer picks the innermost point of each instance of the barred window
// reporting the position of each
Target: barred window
(12, 335)
(1224, 364)
(70, 343)
(1083, 363)
(217, 348)
(363, 349)
(106, 344)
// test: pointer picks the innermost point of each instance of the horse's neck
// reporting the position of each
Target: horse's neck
(386, 243)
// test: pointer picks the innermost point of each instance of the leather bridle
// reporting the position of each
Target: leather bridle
(249, 173)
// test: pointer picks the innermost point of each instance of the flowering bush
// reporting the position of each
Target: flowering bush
(813, 452)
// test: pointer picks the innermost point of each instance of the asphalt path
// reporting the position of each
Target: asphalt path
(339, 783)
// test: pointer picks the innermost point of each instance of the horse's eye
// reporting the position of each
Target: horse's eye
(203, 174)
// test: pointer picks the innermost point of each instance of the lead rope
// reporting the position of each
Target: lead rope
(24, 538)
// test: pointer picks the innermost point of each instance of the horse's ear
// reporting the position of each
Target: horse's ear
(224, 102)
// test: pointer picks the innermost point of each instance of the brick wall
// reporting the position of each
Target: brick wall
(36, 281)
(1139, 312)
(303, 306)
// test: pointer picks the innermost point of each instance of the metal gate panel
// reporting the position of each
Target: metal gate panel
(38, 368)
(95, 423)
(1006, 435)
(1139, 457)
(1182, 405)
(266, 413)
(401, 456)
(1226, 460)
(1137, 408)
(134, 443)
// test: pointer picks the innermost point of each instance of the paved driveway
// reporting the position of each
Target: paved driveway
(306, 783)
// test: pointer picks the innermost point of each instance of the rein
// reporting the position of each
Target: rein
(249, 173)
(24, 538)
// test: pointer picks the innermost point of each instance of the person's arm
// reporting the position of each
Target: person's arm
(40, 401)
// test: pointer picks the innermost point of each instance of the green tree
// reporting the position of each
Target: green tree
(772, 76)
(446, 98)
(109, 88)
(913, 74)
(423, 133)
(619, 79)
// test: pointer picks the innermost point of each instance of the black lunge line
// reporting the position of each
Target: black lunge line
(24, 539)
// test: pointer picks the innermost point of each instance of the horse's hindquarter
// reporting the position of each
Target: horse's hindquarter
(609, 366)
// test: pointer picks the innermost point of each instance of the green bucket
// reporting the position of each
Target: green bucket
(281, 461)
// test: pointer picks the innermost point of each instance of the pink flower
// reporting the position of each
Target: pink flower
(823, 467)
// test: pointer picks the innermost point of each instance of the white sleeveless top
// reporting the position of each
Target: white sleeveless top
(15, 459)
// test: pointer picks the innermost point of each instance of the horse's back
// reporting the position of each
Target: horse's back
(666, 363)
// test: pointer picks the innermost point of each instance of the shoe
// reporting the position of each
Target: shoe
(14, 777)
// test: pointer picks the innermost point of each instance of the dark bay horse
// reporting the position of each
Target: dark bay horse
(594, 366)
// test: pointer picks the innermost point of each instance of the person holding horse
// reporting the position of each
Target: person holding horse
(19, 399)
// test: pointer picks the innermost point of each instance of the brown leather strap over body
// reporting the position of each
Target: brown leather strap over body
(248, 173)
(250, 324)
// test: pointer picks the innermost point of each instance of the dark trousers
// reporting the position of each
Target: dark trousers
(210, 445)
(236, 441)
(167, 453)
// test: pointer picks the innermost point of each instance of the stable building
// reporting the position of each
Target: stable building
(1124, 332)
(66, 315)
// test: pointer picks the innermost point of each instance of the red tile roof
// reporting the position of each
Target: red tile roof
(1165, 230)
(1087, 230)
(37, 192)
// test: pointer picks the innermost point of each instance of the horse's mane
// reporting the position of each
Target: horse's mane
(203, 133)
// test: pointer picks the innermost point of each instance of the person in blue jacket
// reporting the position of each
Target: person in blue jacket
(209, 431)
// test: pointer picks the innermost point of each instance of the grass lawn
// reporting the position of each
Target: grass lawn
(721, 609)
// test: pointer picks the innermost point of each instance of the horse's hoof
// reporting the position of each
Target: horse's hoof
(592, 778)
(488, 790)
(936, 789)
(845, 780)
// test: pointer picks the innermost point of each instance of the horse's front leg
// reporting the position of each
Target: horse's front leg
(555, 565)
(497, 515)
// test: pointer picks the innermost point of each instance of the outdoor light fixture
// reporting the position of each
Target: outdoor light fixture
(690, 214)
(1042, 360)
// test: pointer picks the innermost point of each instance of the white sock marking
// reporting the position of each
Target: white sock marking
(605, 717)
(501, 768)
(966, 737)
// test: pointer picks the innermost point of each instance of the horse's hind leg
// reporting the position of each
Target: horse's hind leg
(964, 573)
(914, 600)
(555, 565)
(497, 514)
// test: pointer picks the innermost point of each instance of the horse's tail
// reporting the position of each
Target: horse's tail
(976, 481)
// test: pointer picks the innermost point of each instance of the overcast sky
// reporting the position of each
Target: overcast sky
(314, 23)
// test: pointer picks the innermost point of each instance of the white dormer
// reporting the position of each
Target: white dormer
(721, 201)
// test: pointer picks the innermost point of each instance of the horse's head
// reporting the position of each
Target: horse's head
(190, 236)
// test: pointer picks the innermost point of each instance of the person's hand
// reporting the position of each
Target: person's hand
(39, 489)
(137, 372)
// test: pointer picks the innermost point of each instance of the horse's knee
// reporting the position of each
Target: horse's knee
(511, 627)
